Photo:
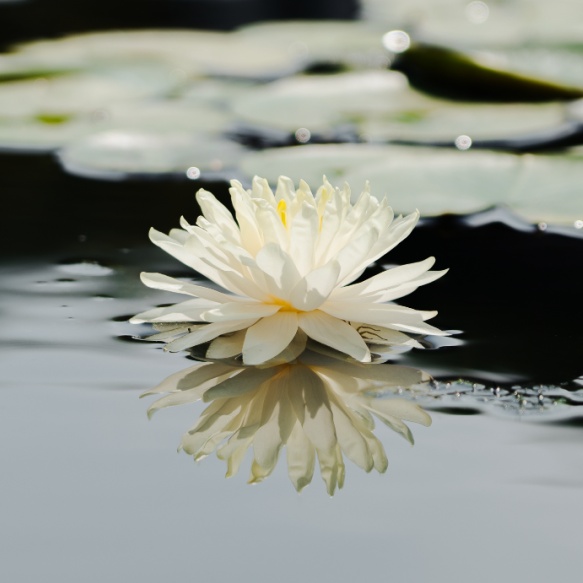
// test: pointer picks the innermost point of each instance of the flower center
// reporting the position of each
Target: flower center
(285, 306)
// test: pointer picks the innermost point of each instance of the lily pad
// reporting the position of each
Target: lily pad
(46, 132)
(192, 52)
(310, 162)
(319, 102)
(63, 96)
(354, 44)
(476, 23)
(118, 154)
(443, 121)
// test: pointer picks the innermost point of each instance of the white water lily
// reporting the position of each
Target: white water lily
(288, 260)
(319, 409)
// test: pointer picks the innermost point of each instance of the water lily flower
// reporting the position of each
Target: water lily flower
(287, 262)
(321, 409)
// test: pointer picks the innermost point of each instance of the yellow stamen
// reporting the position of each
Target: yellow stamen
(285, 306)
(282, 211)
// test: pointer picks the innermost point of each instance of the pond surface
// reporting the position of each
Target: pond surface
(93, 491)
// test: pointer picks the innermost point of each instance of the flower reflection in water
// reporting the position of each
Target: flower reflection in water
(318, 407)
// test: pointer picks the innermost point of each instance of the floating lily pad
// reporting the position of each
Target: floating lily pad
(16, 67)
(119, 154)
(63, 96)
(193, 52)
(166, 116)
(442, 120)
(319, 102)
(46, 132)
(355, 44)
(473, 23)
(310, 162)
(547, 189)
(541, 188)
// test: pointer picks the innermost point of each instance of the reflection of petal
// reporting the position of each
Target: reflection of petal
(317, 407)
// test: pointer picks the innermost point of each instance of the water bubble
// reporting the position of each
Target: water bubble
(477, 12)
(303, 135)
(396, 41)
(193, 173)
(463, 142)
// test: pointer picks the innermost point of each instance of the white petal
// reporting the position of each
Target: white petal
(218, 214)
(309, 400)
(314, 289)
(188, 311)
(275, 262)
(401, 408)
(387, 279)
(248, 380)
(354, 256)
(164, 282)
(393, 235)
(407, 288)
(216, 419)
(226, 346)
(387, 315)
(303, 232)
(269, 337)
(301, 458)
(276, 426)
(334, 333)
(372, 334)
(382, 376)
(350, 439)
(208, 332)
(239, 311)
(331, 469)
(244, 209)
(270, 224)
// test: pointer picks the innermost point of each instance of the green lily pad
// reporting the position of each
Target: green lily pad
(319, 102)
(48, 131)
(471, 23)
(64, 96)
(118, 154)
(194, 53)
(43, 135)
(354, 44)
(311, 162)
(444, 121)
